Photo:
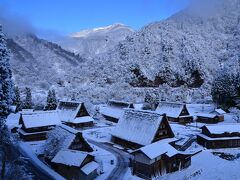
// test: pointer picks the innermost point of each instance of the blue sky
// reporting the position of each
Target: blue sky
(66, 16)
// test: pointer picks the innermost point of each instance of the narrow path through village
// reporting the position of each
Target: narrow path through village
(122, 163)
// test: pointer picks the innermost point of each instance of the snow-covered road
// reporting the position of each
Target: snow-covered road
(122, 163)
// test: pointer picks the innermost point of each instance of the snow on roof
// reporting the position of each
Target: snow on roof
(90, 167)
(83, 119)
(207, 115)
(159, 148)
(40, 119)
(138, 126)
(68, 110)
(199, 108)
(219, 138)
(220, 111)
(138, 106)
(68, 129)
(170, 109)
(111, 111)
(223, 128)
(62, 133)
(70, 157)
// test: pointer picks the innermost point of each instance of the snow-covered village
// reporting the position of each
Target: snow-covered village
(84, 97)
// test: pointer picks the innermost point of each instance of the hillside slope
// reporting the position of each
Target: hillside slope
(178, 56)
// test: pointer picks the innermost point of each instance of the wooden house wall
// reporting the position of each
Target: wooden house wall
(112, 119)
(177, 162)
(82, 111)
(207, 133)
(36, 129)
(80, 144)
(125, 143)
(185, 120)
(161, 166)
(33, 137)
(141, 158)
(164, 131)
(216, 144)
(74, 173)
(184, 111)
(80, 125)
(208, 120)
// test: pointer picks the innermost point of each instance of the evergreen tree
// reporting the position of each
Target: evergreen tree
(6, 86)
(224, 88)
(28, 99)
(152, 98)
(17, 99)
(6, 96)
(51, 100)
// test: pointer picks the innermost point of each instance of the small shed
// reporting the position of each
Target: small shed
(157, 159)
(35, 125)
(176, 112)
(137, 128)
(73, 164)
(220, 136)
(74, 114)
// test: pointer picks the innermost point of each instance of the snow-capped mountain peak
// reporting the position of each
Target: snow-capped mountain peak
(95, 41)
(99, 30)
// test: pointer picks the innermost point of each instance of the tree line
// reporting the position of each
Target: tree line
(27, 102)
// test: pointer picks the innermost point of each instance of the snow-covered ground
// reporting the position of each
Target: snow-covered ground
(99, 134)
(206, 166)
(104, 159)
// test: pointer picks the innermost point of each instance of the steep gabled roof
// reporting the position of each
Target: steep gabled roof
(64, 136)
(170, 109)
(68, 110)
(40, 119)
(138, 126)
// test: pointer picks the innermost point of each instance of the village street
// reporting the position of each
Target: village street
(122, 160)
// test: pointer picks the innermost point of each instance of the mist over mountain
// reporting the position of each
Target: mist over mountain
(95, 41)
(179, 55)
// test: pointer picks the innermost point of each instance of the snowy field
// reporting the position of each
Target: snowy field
(206, 166)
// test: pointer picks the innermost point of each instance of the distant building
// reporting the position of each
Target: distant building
(114, 110)
(215, 116)
(193, 109)
(176, 112)
(157, 159)
(137, 128)
(74, 114)
(220, 136)
(73, 164)
(209, 118)
(35, 125)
